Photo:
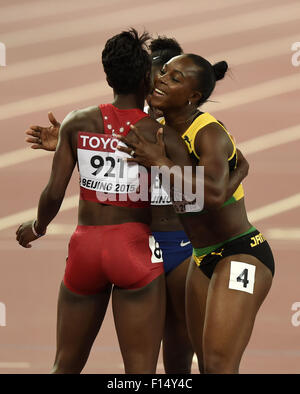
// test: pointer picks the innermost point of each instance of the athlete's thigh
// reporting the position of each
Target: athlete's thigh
(139, 318)
(175, 287)
(196, 294)
(236, 292)
(79, 318)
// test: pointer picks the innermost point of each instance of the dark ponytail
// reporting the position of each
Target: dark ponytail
(220, 69)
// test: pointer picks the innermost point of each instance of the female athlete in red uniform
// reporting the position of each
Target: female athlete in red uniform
(112, 247)
(232, 268)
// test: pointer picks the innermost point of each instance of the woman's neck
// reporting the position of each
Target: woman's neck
(180, 120)
(128, 101)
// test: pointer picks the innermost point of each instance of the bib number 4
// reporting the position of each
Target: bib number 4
(242, 276)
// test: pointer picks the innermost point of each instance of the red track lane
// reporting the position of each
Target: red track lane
(29, 279)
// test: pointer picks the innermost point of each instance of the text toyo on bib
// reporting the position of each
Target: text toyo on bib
(104, 176)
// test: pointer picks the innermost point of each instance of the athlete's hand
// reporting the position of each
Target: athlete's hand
(142, 151)
(44, 137)
(24, 234)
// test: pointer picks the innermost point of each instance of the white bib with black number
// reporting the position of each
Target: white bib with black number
(102, 167)
(158, 194)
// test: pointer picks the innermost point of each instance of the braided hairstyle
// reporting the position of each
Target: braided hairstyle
(208, 75)
(163, 49)
(126, 61)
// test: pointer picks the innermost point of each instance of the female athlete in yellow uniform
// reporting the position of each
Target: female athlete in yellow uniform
(232, 267)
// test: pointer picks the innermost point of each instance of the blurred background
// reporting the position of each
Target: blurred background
(53, 62)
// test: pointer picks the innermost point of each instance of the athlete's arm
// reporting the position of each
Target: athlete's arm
(53, 195)
(236, 176)
(213, 147)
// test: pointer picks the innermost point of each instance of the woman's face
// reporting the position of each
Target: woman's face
(176, 84)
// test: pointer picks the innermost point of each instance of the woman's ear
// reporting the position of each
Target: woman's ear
(195, 97)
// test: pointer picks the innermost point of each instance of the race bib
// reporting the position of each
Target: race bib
(158, 194)
(156, 252)
(102, 167)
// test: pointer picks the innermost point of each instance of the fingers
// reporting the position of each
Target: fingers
(24, 243)
(36, 141)
(53, 120)
(131, 160)
(21, 240)
(33, 140)
(38, 129)
(33, 133)
(22, 236)
(159, 136)
(125, 149)
(125, 141)
(136, 133)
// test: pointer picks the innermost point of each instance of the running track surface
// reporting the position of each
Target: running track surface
(53, 63)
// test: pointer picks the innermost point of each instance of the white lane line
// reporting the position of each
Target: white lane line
(28, 214)
(39, 9)
(270, 140)
(2, 314)
(283, 234)
(250, 53)
(221, 27)
(275, 208)
(98, 90)
(248, 147)
(90, 55)
(255, 215)
(254, 93)
(152, 13)
(60, 229)
(57, 62)
(107, 21)
(14, 364)
(21, 155)
(254, 145)
(55, 100)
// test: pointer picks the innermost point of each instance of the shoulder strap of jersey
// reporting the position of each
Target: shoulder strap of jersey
(199, 123)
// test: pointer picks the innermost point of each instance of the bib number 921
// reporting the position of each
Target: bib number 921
(109, 165)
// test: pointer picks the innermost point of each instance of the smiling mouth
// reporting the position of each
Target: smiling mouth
(158, 92)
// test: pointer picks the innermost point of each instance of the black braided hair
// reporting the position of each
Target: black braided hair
(126, 61)
(163, 49)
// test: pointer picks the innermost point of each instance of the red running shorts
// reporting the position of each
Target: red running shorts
(125, 255)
